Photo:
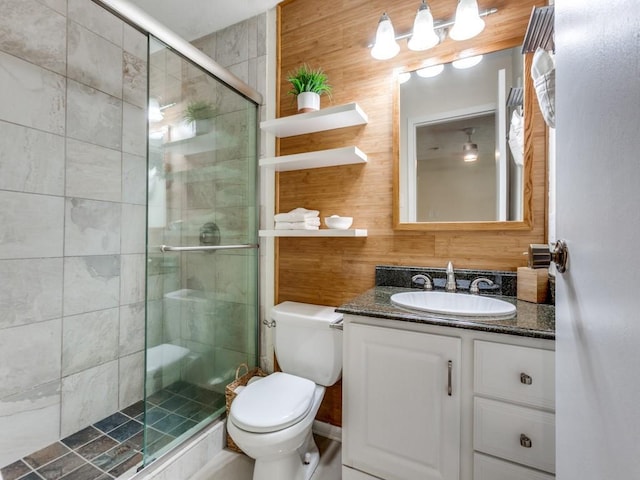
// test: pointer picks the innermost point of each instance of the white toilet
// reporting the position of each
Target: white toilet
(271, 419)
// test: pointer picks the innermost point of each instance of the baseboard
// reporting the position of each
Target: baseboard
(327, 430)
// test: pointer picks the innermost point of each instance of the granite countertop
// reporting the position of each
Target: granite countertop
(531, 320)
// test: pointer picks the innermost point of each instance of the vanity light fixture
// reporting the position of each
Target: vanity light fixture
(432, 71)
(426, 32)
(468, 23)
(469, 149)
(386, 46)
(467, 62)
(424, 36)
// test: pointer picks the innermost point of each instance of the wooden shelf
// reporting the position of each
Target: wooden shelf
(325, 119)
(319, 159)
(324, 232)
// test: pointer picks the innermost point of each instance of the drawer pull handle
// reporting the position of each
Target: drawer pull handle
(525, 441)
(449, 371)
(525, 379)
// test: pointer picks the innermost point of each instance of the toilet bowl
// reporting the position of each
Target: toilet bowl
(271, 419)
(283, 446)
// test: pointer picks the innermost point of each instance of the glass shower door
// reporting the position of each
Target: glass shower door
(202, 257)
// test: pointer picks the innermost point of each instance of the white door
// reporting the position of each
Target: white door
(598, 213)
(400, 419)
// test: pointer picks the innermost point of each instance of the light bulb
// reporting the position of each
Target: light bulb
(468, 23)
(428, 72)
(386, 46)
(466, 62)
(404, 77)
(155, 114)
(470, 152)
(424, 37)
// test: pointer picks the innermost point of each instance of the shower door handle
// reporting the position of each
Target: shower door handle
(206, 248)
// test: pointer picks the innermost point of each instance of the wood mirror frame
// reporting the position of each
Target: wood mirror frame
(535, 160)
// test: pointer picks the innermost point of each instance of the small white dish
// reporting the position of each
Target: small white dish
(338, 223)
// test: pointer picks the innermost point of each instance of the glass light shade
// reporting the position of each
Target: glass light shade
(404, 77)
(467, 62)
(424, 36)
(428, 72)
(385, 46)
(468, 23)
(155, 115)
(470, 152)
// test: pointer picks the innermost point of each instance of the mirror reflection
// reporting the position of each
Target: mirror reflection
(461, 139)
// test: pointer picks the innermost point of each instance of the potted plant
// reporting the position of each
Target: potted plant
(199, 113)
(307, 84)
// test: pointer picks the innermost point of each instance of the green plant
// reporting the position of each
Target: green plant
(307, 79)
(198, 110)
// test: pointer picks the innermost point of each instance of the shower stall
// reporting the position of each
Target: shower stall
(202, 257)
(128, 254)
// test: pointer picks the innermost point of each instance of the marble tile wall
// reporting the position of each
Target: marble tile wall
(73, 81)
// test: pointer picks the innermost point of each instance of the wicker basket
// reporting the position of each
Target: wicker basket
(230, 394)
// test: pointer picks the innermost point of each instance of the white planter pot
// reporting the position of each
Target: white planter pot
(308, 102)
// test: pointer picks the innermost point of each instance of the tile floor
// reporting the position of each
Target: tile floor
(114, 445)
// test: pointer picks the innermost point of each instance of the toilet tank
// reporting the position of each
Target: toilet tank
(305, 344)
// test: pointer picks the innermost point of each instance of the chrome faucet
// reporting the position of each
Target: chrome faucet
(475, 289)
(422, 280)
(451, 279)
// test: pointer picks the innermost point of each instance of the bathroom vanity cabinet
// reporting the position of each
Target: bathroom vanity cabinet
(427, 402)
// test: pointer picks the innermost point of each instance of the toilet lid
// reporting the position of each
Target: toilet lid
(272, 403)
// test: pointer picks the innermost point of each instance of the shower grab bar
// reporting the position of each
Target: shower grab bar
(206, 248)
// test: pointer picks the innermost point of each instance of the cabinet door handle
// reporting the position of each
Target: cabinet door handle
(525, 441)
(449, 372)
(525, 379)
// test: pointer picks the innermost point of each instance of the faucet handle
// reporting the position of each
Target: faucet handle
(422, 280)
(475, 289)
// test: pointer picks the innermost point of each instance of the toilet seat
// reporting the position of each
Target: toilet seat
(273, 403)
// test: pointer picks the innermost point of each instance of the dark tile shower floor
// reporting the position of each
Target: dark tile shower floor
(114, 445)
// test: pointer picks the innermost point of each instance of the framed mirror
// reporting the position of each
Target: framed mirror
(459, 150)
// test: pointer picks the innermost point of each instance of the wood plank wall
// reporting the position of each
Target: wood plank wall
(334, 35)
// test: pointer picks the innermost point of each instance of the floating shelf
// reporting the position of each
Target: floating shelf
(324, 232)
(318, 159)
(325, 119)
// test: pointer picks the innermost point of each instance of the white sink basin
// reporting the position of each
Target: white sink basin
(455, 304)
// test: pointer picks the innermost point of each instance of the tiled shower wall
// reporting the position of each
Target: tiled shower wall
(73, 82)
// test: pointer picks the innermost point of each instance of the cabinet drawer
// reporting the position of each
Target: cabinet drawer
(489, 468)
(498, 429)
(520, 374)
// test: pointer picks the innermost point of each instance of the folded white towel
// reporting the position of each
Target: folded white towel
(296, 215)
(543, 72)
(516, 137)
(295, 226)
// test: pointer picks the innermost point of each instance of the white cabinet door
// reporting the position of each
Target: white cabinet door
(401, 403)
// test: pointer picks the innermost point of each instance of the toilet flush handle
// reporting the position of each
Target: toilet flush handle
(269, 324)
